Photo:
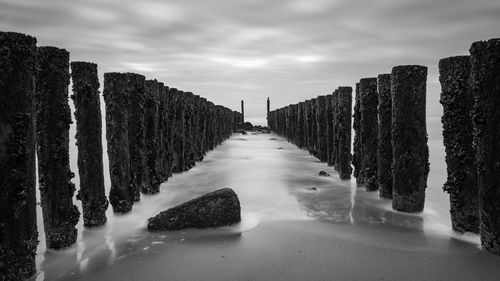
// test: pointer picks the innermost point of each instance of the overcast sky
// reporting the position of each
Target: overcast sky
(228, 50)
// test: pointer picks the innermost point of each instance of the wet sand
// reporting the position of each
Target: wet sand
(289, 231)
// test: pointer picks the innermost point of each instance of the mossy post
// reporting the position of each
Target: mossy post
(461, 183)
(384, 151)
(485, 75)
(344, 132)
(329, 129)
(152, 135)
(18, 230)
(53, 118)
(116, 97)
(89, 141)
(321, 124)
(357, 149)
(369, 131)
(409, 137)
(136, 134)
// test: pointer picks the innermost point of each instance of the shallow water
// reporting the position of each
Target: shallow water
(274, 181)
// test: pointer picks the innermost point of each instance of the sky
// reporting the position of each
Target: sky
(232, 50)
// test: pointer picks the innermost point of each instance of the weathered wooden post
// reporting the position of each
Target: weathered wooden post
(53, 118)
(357, 149)
(116, 97)
(344, 121)
(153, 134)
(409, 137)
(485, 75)
(321, 124)
(89, 141)
(188, 124)
(18, 229)
(457, 101)
(167, 129)
(329, 129)
(300, 125)
(268, 110)
(136, 134)
(178, 126)
(369, 131)
(313, 150)
(384, 152)
(242, 112)
(335, 141)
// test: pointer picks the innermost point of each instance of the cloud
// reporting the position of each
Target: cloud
(289, 50)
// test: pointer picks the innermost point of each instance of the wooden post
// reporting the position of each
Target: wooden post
(89, 141)
(321, 124)
(329, 130)
(152, 136)
(116, 97)
(409, 137)
(18, 229)
(53, 119)
(344, 131)
(485, 75)
(357, 148)
(384, 151)
(369, 131)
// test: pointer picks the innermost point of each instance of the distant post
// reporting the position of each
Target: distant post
(409, 137)
(89, 141)
(369, 131)
(485, 75)
(242, 112)
(384, 152)
(52, 127)
(18, 230)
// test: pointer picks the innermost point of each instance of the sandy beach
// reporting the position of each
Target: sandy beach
(289, 230)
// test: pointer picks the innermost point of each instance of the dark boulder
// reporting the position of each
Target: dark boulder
(323, 174)
(218, 208)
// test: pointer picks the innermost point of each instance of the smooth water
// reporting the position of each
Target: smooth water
(275, 182)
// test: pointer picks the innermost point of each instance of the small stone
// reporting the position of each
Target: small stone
(323, 174)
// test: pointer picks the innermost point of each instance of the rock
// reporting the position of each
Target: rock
(280, 148)
(323, 174)
(313, 188)
(274, 139)
(218, 208)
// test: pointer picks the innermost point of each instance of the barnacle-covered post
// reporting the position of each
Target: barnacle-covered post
(369, 131)
(357, 149)
(335, 140)
(152, 135)
(18, 229)
(321, 125)
(384, 151)
(53, 118)
(409, 137)
(485, 75)
(136, 134)
(116, 98)
(461, 183)
(89, 141)
(329, 129)
(344, 131)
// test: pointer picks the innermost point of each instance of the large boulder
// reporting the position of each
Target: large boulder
(218, 208)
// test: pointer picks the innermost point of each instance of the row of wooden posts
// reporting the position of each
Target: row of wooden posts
(390, 151)
(321, 125)
(152, 131)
